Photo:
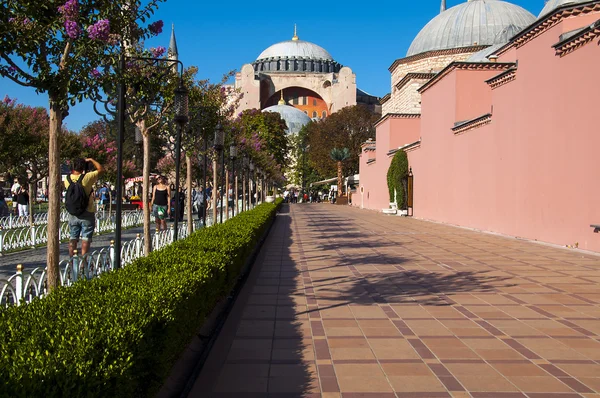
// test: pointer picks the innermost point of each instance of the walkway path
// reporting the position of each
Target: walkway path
(351, 303)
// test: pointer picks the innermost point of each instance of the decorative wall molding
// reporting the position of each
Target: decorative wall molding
(502, 79)
(397, 116)
(465, 66)
(472, 124)
(578, 40)
(435, 53)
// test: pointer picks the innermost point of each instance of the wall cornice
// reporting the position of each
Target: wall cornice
(397, 116)
(472, 124)
(549, 21)
(385, 99)
(502, 78)
(413, 76)
(578, 40)
(435, 53)
(462, 65)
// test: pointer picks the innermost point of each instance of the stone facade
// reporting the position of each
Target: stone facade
(406, 99)
(338, 90)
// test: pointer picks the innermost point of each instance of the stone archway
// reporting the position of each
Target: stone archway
(308, 101)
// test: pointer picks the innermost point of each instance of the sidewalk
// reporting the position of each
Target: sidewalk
(349, 303)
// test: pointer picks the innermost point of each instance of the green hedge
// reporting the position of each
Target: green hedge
(119, 335)
(396, 173)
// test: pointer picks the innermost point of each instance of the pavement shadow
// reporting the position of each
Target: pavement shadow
(267, 351)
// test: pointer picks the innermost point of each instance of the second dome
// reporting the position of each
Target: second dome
(474, 23)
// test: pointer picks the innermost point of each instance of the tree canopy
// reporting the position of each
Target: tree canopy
(347, 128)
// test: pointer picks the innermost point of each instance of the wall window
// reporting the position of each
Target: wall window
(295, 98)
(324, 114)
(315, 114)
(306, 113)
(304, 100)
(314, 102)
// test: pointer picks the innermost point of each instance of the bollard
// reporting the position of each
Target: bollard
(74, 266)
(112, 255)
(138, 246)
(19, 283)
(32, 229)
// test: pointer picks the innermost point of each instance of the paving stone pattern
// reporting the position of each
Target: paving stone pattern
(350, 303)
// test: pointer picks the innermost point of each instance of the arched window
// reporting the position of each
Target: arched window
(306, 113)
(315, 114)
(324, 114)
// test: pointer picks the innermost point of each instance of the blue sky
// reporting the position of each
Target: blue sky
(219, 37)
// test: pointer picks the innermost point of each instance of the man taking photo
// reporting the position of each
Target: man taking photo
(80, 202)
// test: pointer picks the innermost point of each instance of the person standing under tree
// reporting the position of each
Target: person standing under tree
(80, 203)
(23, 203)
(160, 203)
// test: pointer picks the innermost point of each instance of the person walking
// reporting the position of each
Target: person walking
(14, 190)
(161, 194)
(23, 203)
(3, 206)
(80, 203)
(200, 203)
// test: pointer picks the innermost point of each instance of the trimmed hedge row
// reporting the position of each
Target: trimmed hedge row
(118, 335)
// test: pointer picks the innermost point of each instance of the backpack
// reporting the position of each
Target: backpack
(76, 200)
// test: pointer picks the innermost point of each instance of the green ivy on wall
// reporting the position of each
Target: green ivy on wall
(396, 173)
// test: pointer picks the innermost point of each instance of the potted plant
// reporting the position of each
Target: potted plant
(270, 196)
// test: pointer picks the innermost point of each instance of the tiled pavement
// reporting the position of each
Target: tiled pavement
(350, 303)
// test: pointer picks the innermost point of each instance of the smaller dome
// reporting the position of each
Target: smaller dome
(552, 5)
(294, 118)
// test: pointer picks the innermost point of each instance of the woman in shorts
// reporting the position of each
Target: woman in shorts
(160, 203)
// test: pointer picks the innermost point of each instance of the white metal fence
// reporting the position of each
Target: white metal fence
(33, 235)
(24, 286)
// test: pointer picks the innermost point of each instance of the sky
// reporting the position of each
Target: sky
(220, 37)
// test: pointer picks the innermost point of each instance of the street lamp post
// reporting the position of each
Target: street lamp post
(218, 146)
(233, 156)
(119, 111)
(180, 107)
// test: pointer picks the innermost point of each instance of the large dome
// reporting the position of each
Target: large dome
(294, 118)
(476, 22)
(295, 49)
(554, 4)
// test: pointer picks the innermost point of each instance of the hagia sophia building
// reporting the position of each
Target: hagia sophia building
(301, 81)
(497, 113)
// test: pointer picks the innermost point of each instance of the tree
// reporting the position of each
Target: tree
(349, 128)
(24, 144)
(60, 50)
(339, 155)
(98, 143)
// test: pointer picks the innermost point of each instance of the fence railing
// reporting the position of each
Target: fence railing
(24, 286)
(33, 235)
(27, 285)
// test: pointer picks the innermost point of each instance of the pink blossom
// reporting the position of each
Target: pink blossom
(95, 73)
(158, 51)
(73, 30)
(100, 30)
(70, 10)
(156, 27)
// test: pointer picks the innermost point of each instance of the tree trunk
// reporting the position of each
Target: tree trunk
(146, 191)
(54, 195)
(32, 197)
(190, 216)
(244, 191)
(339, 181)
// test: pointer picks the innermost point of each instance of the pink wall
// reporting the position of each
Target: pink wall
(391, 133)
(533, 171)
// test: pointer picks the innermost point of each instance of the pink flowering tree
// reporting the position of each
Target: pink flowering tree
(24, 143)
(98, 145)
(58, 49)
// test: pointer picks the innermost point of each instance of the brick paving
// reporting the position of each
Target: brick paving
(349, 303)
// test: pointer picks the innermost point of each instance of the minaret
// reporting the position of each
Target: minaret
(295, 38)
(172, 53)
(443, 6)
